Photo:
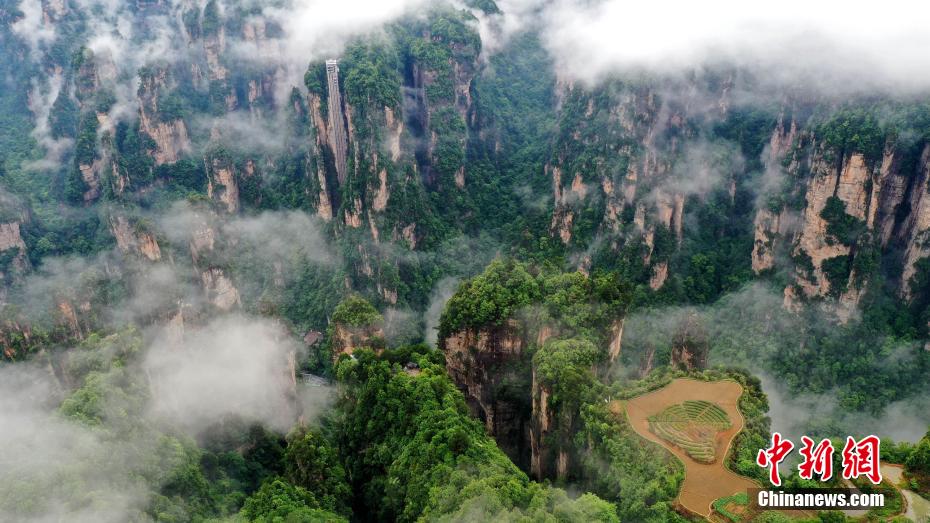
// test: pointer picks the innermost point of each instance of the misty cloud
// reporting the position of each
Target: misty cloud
(32, 27)
(41, 100)
(821, 415)
(55, 468)
(827, 45)
(437, 302)
(750, 329)
(317, 29)
(702, 167)
(232, 366)
(246, 132)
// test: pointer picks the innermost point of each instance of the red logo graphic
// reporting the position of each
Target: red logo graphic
(819, 460)
(860, 458)
(774, 455)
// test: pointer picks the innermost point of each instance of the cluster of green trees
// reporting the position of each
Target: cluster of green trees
(119, 451)
(413, 450)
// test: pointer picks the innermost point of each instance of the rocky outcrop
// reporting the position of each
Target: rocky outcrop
(222, 184)
(915, 230)
(873, 195)
(690, 345)
(616, 340)
(619, 157)
(170, 137)
(72, 317)
(480, 362)
(379, 203)
(13, 248)
(813, 241)
(540, 430)
(347, 338)
(659, 275)
(133, 240)
(220, 289)
(766, 228)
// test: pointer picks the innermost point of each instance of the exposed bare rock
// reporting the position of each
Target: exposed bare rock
(410, 236)
(562, 224)
(639, 217)
(203, 238)
(813, 240)
(381, 197)
(389, 295)
(545, 332)
(579, 189)
(887, 194)
(373, 227)
(69, 317)
(782, 140)
(690, 344)
(314, 102)
(220, 289)
(213, 46)
(766, 227)
(347, 339)
(616, 340)
(325, 207)
(11, 239)
(917, 225)
(129, 240)
(664, 209)
(539, 431)
(659, 275)
(395, 129)
(613, 207)
(477, 361)
(791, 301)
(353, 216)
(648, 363)
(223, 186)
(629, 186)
(170, 137)
(851, 186)
(90, 173)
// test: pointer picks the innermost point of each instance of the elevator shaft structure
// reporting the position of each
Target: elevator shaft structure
(337, 128)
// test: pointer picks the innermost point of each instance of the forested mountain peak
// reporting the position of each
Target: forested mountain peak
(413, 259)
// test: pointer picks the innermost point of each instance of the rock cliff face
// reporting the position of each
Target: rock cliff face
(854, 207)
(913, 230)
(539, 431)
(484, 363)
(690, 345)
(346, 339)
(222, 184)
(220, 289)
(13, 249)
(612, 168)
(168, 135)
(131, 240)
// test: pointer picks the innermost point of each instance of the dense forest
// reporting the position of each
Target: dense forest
(265, 263)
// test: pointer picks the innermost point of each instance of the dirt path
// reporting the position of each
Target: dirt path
(703, 483)
(918, 508)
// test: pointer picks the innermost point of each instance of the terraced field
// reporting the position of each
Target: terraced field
(692, 426)
(704, 482)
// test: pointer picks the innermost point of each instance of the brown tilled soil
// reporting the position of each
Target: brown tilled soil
(703, 483)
